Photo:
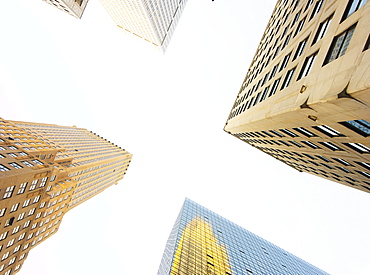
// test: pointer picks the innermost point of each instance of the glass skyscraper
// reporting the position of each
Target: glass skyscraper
(202, 243)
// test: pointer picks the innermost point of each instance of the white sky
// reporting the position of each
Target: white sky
(169, 112)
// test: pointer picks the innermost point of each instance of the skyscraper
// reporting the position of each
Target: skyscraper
(151, 20)
(305, 99)
(45, 171)
(202, 242)
(72, 7)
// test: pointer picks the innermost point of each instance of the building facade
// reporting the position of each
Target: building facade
(305, 99)
(45, 171)
(73, 7)
(202, 242)
(151, 20)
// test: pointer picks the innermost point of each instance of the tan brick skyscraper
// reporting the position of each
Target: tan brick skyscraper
(46, 170)
(305, 99)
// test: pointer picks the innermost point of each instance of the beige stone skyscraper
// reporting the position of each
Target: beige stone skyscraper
(72, 7)
(305, 99)
(151, 20)
(45, 171)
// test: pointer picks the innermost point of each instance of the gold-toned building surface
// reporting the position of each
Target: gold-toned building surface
(305, 99)
(204, 243)
(75, 8)
(46, 170)
(151, 20)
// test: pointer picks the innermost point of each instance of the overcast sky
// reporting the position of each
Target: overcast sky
(169, 112)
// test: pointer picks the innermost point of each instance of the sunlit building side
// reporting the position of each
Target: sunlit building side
(45, 171)
(151, 20)
(73, 7)
(202, 242)
(305, 99)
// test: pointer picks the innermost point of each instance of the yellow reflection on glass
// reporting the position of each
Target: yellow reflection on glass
(199, 252)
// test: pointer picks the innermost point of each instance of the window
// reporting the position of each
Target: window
(8, 192)
(37, 162)
(2, 148)
(2, 212)
(23, 154)
(21, 216)
(14, 207)
(285, 61)
(339, 45)
(2, 156)
(352, 6)
(286, 41)
(274, 70)
(8, 272)
(367, 175)
(362, 149)
(53, 178)
(288, 78)
(307, 65)
(321, 31)
(33, 185)
(300, 26)
(327, 131)
(317, 8)
(10, 243)
(264, 94)
(15, 165)
(22, 188)
(3, 236)
(32, 211)
(27, 163)
(304, 131)
(274, 87)
(300, 48)
(43, 181)
(331, 146)
(26, 203)
(26, 224)
(3, 168)
(5, 256)
(9, 222)
(367, 44)
(12, 155)
(12, 261)
(360, 126)
(16, 229)
(312, 145)
(364, 164)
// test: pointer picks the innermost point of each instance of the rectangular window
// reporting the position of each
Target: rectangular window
(37, 162)
(43, 182)
(339, 45)
(367, 44)
(3, 168)
(300, 26)
(331, 146)
(21, 216)
(288, 78)
(12, 148)
(285, 62)
(2, 156)
(328, 131)
(312, 145)
(362, 149)
(305, 132)
(317, 8)
(307, 66)
(14, 207)
(360, 126)
(274, 87)
(22, 188)
(23, 154)
(287, 39)
(26, 203)
(2, 212)
(3, 236)
(15, 165)
(12, 155)
(27, 163)
(2, 148)
(8, 192)
(33, 185)
(364, 164)
(265, 91)
(352, 6)
(323, 27)
(300, 48)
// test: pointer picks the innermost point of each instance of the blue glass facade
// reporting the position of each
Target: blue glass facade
(202, 242)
